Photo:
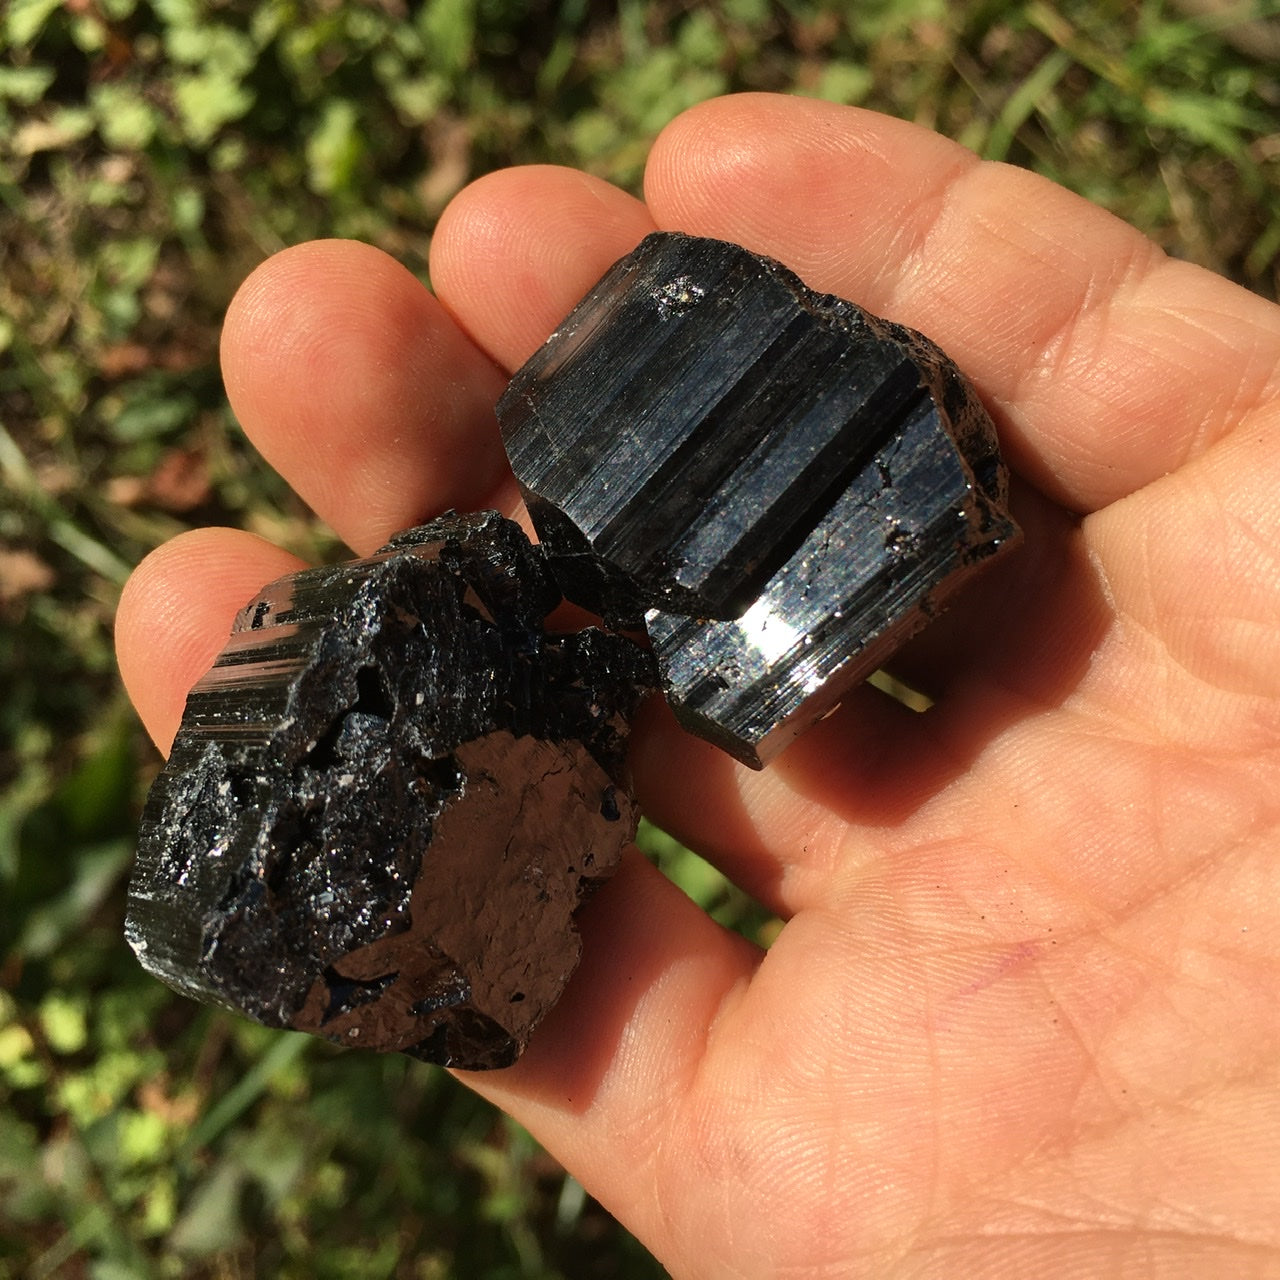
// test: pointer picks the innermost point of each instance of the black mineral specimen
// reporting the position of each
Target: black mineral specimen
(387, 799)
(785, 486)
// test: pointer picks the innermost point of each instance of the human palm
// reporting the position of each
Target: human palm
(1024, 1015)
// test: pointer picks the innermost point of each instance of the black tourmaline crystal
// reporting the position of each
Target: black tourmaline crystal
(387, 799)
(784, 486)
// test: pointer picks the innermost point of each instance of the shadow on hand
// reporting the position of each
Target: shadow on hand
(1015, 645)
(642, 941)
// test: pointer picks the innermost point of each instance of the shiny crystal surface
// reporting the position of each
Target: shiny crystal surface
(786, 486)
(881, 562)
(388, 798)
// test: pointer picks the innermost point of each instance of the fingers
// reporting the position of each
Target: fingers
(363, 392)
(357, 387)
(515, 251)
(176, 612)
(1107, 364)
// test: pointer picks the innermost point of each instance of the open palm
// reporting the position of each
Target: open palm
(1024, 1014)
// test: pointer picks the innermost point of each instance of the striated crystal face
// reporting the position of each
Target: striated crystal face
(878, 565)
(784, 486)
(387, 799)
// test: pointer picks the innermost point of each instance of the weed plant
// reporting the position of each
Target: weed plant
(151, 153)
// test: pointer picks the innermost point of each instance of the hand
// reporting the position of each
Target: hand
(1024, 1016)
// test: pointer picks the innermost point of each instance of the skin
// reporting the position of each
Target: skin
(1022, 1018)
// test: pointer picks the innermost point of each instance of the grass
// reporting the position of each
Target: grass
(151, 154)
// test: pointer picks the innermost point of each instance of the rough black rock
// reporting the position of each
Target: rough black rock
(388, 798)
(786, 486)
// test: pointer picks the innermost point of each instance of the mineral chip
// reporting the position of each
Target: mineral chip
(784, 486)
(388, 798)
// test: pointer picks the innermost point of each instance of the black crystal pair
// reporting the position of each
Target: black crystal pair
(395, 787)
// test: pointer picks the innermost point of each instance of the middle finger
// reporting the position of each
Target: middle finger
(357, 386)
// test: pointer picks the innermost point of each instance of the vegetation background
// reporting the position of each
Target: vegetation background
(151, 153)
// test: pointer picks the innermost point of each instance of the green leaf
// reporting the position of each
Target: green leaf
(129, 263)
(698, 878)
(212, 1219)
(228, 154)
(29, 790)
(207, 100)
(449, 28)
(16, 1046)
(95, 800)
(126, 120)
(1026, 98)
(334, 148)
(152, 413)
(187, 44)
(23, 1191)
(218, 49)
(87, 34)
(186, 206)
(142, 1137)
(746, 13)
(268, 20)
(1214, 122)
(277, 1159)
(657, 88)
(25, 85)
(110, 1269)
(95, 872)
(63, 1021)
(286, 1048)
(593, 134)
(178, 13)
(419, 99)
(700, 40)
(25, 19)
(20, 1066)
